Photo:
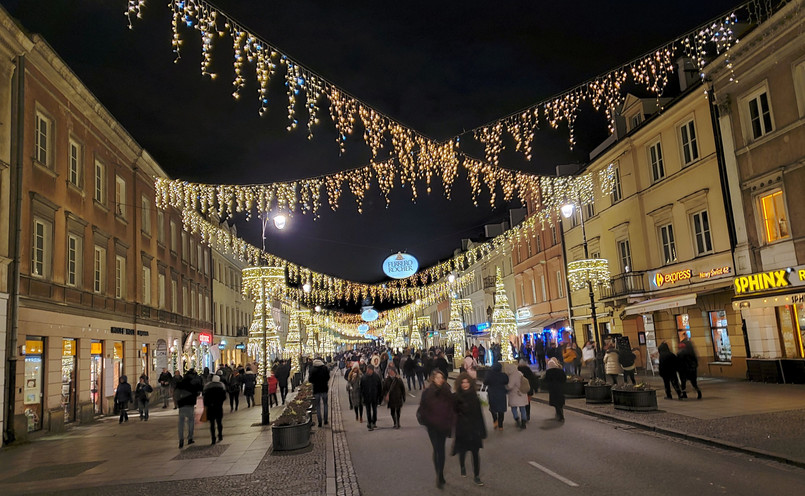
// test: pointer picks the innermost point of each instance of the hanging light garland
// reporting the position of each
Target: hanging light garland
(594, 270)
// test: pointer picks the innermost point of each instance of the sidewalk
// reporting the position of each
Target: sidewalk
(764, 420)
(110, 455)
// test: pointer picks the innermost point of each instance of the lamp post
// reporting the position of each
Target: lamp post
(266, 415)
(567, 212)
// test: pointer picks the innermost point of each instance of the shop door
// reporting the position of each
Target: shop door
(33, 387)
(68, 386)
(96, 376)
(117, 366)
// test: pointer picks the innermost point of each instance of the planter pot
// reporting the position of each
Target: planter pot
(574, 389)
(291, 437)
(598, 394)
(640, 400)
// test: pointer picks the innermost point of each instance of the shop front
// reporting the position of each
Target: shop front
(772, 305)
(33, 385)
(68, 379)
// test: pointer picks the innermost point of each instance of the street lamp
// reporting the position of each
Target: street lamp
(585, 270)
(279, 221)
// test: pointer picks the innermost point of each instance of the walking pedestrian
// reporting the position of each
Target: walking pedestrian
(123, 398)
(187, 392)
(437, 413)
(233, 388)
(482, 354)
(517, 393)
(394, 394)
(555, 381)
(612, 365)
(214, 397)
(165, 386)
(533, 383)
(282, 374)
(409, 369)
(441, 363)
(470, 426)
(496, 382)
(142, 393)
(539, 349)
(371, 389)
(470, 366)
(627, 361)
(319, 376)
(175, 380)
(588, 357)
(668, 370)
(420, 371)
(354, 390)
(249, 383)
(688, 365)
(272, 389)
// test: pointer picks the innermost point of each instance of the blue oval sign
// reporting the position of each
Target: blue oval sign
(400, 266)
(369, 315)
(363, 328)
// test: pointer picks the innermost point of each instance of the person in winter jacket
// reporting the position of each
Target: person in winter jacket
(233, 388)
(141, 394)
(186, 395)
(570, 354)
(612, 365)
(175, 380)
(249, 383)
(409, 370)
(371, 391)
(214, 397)
(441, 363)
(470, 426)
(668, 370)
(627, 361)
(533, 381)
(354, 390)
(123, 398)
(272, 389)
(588, 357)
(555, 381)
(496, 382)
(437, 413)
(319, 376)
(283, 373)
(517, 399)
(470, 366)
(394, 394)
(165, 384)
(688, 365)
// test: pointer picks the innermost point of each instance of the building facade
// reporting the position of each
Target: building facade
(760, 96)
(107, 285)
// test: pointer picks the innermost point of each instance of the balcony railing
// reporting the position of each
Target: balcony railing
(624, 284)
(489, 282)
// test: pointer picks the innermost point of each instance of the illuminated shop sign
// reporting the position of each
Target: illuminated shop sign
(363, 328)
(672, 277)
(240, 346)
(205, 338)
(369, 315)
(718, 271)
(400, 266)
(483, 326)
(771, 280)
(523, 313)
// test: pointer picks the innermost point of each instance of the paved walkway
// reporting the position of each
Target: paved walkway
(766, 420)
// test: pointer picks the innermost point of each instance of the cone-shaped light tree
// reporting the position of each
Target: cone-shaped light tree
(504, 324)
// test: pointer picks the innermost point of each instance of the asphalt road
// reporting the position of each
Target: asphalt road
(582, 456)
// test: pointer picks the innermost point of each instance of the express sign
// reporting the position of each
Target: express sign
(672, 277)
(771, 280)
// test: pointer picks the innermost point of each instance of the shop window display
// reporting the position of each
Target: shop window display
(722, 350)
(32, 387)
(683, 326)
(68, 364)
(96, 375)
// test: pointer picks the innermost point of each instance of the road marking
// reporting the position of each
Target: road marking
(553, 474)
(412, 395)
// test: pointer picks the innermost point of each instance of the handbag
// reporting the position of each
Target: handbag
(116, 409)
(203, 415)
(483, 397)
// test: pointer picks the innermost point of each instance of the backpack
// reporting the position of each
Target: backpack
(525, 386)
(627, 358)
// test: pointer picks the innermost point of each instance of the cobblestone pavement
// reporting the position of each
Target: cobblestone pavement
(346, 480)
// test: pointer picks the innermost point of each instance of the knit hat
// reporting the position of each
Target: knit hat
(553, 363)
(216, 378)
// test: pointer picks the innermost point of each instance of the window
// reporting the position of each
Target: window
(161, 290)
(554, 235)
(774, 219)
(207, 263)
(590, 210)
(668, 244)
(146, 215)
(722, 350)
(120, 277)
(174, 241)
(120, 196)
(192, 255)
(193, 302)
(160, 227)
(100, 182)
(656, 161)
(75, 163)
(99, 270)
(533, 291)
(522, 292)
(185, 300)
(625, 255)
(690, 150)
(41, 248)
(529, 249)
(174, 296)
(185, 246)
(43, 136)
(683, 326)
(701, 232)
(560, 283)
(146, 285)
(617, 192)
(74, 257)
(543, 287)
(760, 115)
(539, 243)
(636, 120)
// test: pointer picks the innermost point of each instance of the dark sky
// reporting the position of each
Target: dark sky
(439, 67)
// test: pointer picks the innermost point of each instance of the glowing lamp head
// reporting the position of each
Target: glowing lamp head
(306, 287)
(451, 278)
(280, 221)
(418, 302)
(567, 210)
(318, 308)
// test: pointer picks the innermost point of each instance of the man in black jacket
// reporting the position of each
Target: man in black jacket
(165, 384)
(319, 376)
(186, 394)
(282, 374)
(371, 390)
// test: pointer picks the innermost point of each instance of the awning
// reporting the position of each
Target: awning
(538, 325)
(655, 304)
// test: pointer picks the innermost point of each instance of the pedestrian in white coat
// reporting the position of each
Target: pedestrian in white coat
(516, 398)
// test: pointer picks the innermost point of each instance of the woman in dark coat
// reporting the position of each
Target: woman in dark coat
(668, 370)
(123, 398)
(470, 427)
(555, 380)
(688, 364)
(249, 382)
(496, 382)
(437, 413)
(214, 397)
(394, 393)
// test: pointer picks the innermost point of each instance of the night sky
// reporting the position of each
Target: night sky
(439, 67)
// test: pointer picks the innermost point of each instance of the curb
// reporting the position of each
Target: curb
(758, 453)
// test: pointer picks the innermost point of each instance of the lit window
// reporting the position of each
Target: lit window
(722, 350)
(120, 196)
(701, 232)
(668, 243)
(690, 149)
(625, 255)
(656, 160)
(76, 165)
(528, 248)
(42, 139)
(760, 115)
(617, 192)
(774, 218)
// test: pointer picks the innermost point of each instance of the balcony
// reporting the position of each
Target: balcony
(489, 282)
(625, 284)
